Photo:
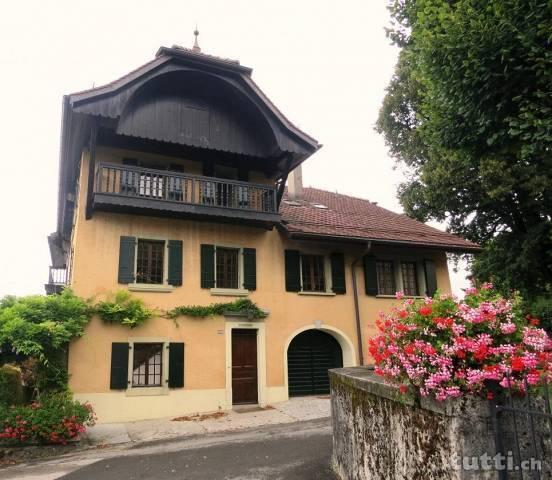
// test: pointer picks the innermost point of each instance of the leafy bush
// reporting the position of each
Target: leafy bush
(56, 419)
(41, 327)
(447, 347)
(124, 309)
(239, 306)
(11, 388)
(541, 308)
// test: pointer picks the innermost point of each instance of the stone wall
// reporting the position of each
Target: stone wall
(380, 434)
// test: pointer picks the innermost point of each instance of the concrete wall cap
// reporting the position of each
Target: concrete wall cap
(365, 379)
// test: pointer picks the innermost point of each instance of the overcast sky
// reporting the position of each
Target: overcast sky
(325, 64)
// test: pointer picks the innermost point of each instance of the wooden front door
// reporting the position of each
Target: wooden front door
(244, 366)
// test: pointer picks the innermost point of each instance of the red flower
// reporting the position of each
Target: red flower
(445, 322)
(409, 349)
(425, 310)
(535, 322)
(517, 364)
(481, 352)
(490, 395)
(429, 350)
(403, 389)
(403, 313)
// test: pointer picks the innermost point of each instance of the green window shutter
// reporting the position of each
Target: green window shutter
(249, 269)
(127, 247)
(207, 266)
(337, 261)
(176, 365)
(175, 262)
(370, 275)
(293, 270)
(119, 366)
(430, 277)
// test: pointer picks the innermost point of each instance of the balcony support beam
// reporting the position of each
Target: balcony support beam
(91, 171)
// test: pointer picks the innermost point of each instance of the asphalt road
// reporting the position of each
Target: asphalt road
(296, 451)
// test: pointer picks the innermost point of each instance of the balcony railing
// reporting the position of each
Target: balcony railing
(57, 276)
(167, 186)
(57, 279)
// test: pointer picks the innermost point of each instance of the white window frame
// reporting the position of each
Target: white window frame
(148, 391)
(397, 270)
(392, 261)
(152, 287)
(327, 274)
(234, 292)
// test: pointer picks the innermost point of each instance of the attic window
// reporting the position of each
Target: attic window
(292, 203)
(319, 205)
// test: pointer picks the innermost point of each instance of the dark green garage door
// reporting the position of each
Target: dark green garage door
(310, 355)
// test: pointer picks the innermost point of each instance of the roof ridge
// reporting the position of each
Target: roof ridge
(344, 195)
(203, 54)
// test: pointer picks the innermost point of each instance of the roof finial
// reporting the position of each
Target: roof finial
(196, 47)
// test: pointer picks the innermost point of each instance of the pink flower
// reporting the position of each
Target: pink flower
(536, 338)
(399, 295)
(508, 328)
(447, 348)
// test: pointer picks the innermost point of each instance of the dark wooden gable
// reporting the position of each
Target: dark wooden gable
(180, 76)
(190, 109)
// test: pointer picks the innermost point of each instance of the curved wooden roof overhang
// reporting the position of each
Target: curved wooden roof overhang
(276, 141)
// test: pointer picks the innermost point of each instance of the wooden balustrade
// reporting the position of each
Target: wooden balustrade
(168, 186)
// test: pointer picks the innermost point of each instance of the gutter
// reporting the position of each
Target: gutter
(357, 309)
(397, 243)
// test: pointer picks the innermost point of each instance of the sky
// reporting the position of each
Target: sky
(325, 64)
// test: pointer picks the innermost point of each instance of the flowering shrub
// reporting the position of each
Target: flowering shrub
(447, 347)
(55, 419)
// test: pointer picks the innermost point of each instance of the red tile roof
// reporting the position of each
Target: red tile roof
(359, 219)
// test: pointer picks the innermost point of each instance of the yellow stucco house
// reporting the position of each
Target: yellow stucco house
(173, 186)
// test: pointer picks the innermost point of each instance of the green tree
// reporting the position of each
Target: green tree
(468, 112)
(40, 328)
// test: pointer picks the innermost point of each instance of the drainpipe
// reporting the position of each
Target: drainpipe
(357, 309)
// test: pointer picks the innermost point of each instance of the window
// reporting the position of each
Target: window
(150, 261)
(409, 278)
(312, 273)
(227, 267)
(386, 277)
(147, 365)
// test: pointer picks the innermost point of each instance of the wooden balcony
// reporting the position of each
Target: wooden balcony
(145, 191)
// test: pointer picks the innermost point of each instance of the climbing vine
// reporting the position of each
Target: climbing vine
(243, 306)
(124, 309)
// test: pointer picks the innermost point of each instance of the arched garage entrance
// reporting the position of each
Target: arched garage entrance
(309, 357)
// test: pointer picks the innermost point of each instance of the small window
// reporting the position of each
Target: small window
(150, 261)
(409, 278)
(147, 365)
(386, 277)
(312, 273)
(227, 267)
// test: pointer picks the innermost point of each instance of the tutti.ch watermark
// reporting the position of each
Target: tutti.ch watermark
(498, 462)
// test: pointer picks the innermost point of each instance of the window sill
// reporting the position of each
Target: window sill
(146, 391)
(229, 292)
(147, 287)
(318, 294)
